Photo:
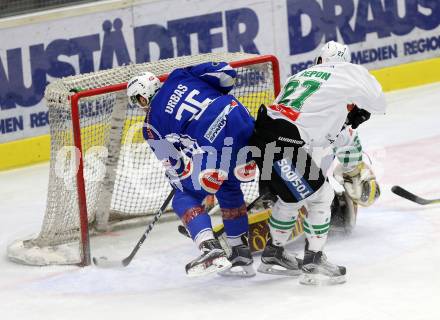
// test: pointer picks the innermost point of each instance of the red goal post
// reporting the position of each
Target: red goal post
(100, 118)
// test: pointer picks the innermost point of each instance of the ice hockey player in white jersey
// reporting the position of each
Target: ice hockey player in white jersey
(316, 109)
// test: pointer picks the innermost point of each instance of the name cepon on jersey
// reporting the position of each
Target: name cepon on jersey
(316, 74)
(175, 98)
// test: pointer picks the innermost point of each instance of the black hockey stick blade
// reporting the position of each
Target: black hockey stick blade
(412, 197)
(183, 231)
(103, 262)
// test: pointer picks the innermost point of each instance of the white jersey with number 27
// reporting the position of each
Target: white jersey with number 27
(316, 100)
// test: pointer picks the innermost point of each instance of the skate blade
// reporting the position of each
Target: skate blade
(239, 271)
(277, 270)
(321, 280)
(217, 265)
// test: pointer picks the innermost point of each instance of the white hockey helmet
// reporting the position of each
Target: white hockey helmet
(334, 52)
(145, 85)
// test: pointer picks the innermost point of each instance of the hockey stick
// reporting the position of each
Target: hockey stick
(184, 231)
(412, 197)
(103, 262)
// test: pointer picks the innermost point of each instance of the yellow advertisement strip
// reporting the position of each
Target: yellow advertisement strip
(408, 75)
(259, 229)
(33, 150)
(253, 218)
(24, 152)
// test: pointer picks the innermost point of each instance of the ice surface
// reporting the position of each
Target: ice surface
(392, 257)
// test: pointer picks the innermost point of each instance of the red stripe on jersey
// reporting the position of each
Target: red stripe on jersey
(286, 111)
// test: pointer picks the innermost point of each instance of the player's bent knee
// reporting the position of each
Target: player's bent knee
(287, 209)
(322, 198)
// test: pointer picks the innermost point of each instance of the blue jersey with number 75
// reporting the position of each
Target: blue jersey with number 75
(181, 105)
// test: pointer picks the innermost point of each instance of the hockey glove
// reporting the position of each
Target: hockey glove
(177, 170)
(357, 116)
(359, 183)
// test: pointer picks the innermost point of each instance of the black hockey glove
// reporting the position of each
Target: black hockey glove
(357, 116)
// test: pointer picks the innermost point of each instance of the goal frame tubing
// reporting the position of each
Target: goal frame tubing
(85, 255)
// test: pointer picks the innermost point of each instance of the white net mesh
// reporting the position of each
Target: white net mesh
(122, 176)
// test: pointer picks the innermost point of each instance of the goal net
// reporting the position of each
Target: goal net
(102, 172)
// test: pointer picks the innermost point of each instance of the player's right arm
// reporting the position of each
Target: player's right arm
(220, 75)
(365, 91)
(169, 152)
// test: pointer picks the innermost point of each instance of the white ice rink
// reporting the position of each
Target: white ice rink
(392, 257)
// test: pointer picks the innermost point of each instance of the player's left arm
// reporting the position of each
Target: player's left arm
(366, 96)
(352, 172)
(219, 75)
(367, 93)
(347, 148)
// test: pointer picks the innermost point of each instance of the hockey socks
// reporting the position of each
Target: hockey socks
(282, 221)
(317, 222)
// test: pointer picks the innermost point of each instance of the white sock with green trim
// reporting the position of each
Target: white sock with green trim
(316, 231)
(317, 223)
(282, 221)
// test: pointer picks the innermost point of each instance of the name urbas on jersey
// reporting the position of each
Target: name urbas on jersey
(186, 95)
(179, 106)
(175, 98)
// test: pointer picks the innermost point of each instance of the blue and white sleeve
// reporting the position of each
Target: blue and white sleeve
(219, 75)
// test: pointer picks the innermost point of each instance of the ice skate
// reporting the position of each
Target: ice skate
(241, 259)
(276, 260)
(317, 270)
(213, 259)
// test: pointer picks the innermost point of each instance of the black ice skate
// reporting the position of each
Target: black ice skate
(317, 270)
(213, 259)
(241, 259)
(276, 260)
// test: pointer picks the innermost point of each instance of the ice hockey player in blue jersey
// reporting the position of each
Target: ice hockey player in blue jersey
(197, 129)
